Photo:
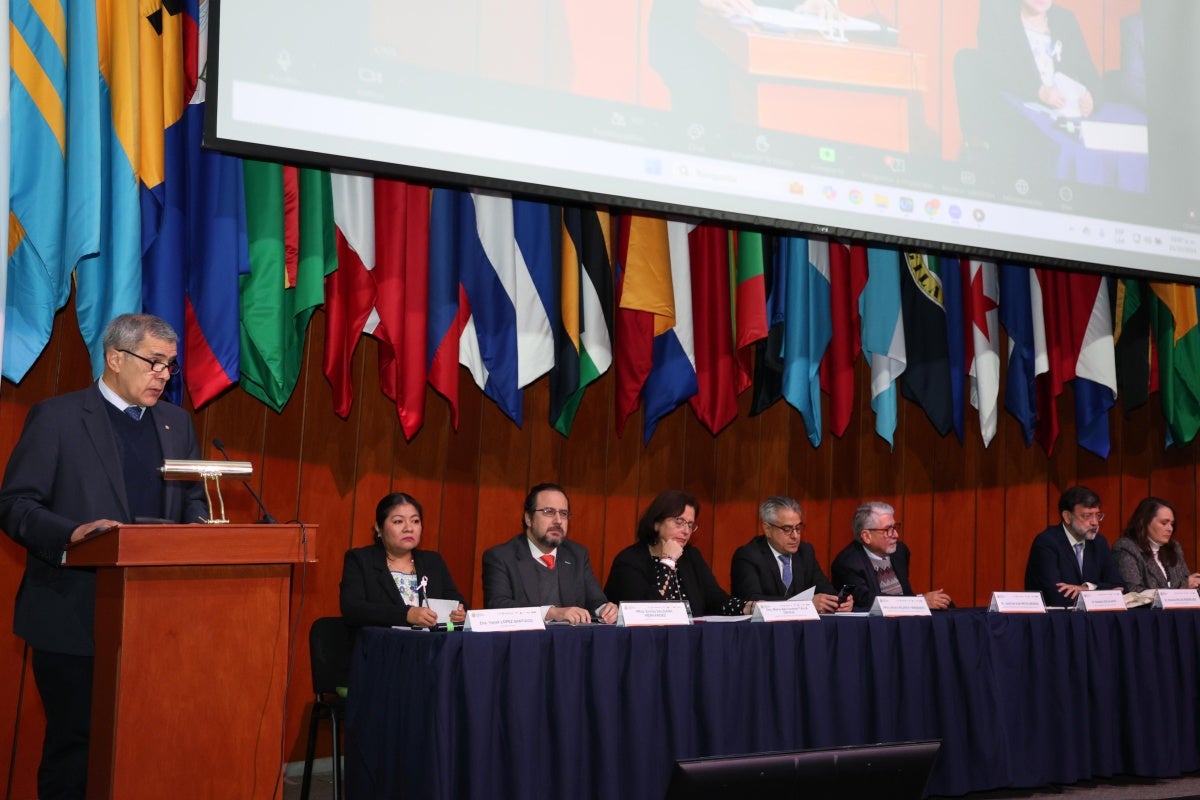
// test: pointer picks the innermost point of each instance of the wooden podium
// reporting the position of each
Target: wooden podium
(192, 649)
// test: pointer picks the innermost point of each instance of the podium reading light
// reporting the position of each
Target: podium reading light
(182, 469)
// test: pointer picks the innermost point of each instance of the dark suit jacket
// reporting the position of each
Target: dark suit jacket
(369, 595)
(1052, 561)
(755, 572)
(65, 471)
(632, 579)
(510, 579)
(853, 567)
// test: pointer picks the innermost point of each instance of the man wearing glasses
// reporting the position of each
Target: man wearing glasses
(540, 567)
(1072, 557)
(876, 562)
(777, 564)
(87, 461)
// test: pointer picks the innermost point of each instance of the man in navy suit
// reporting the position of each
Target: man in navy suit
(777, 565)
(1072, 557)
(87, 461)
(540, 567)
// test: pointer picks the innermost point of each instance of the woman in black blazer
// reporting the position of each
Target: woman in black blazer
(660, 566)
(386, 583)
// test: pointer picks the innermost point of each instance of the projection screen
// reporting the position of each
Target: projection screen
(976, 126)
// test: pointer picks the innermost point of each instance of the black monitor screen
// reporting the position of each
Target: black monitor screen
(899, 771)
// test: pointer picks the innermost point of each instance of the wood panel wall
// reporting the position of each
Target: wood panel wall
(969, 512)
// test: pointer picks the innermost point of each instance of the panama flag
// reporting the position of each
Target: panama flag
(1079, 348)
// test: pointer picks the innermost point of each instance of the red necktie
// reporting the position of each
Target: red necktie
(548, 560)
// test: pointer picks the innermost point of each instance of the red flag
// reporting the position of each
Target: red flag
(715, 404)
(402, 290)
(847, 278)
(349, 290)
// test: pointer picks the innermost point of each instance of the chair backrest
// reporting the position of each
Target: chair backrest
(330, 641)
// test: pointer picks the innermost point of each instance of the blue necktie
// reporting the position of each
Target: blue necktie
(1079, 556)
(787, 571)
(135, 412)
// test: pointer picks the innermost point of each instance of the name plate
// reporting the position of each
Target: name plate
(888, 606)
(784, 611)
(1017, 603)
(633, 615)
(489, 620)
(1177, 598)
(1101, 600)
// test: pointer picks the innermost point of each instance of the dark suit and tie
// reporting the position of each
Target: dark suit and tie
(757, 573)
(80, 463)
(1052, 561)
(512, 579)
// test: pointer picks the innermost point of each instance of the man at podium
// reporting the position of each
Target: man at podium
(87, 461)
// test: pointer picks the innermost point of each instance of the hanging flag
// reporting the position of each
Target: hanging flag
(927, 374)
(768, 353)
(55, 179)
(1137, 373)
(509, 279)
(982, 354)
(807, 328)
(1079, 348)
(847, 277)
(715, 402)
(193, 210)
(5, 161)
(883, 336)
(951, 272)
(349, 289)
(1173, 319)
(1026, 348)
(111, 283)
(656, 281)
(451, 238)
(584, 329)
(401, 277)
(750, 302)
(289, 216)
(673, 378)
(643, 270)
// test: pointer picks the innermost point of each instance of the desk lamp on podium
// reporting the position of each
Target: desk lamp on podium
(185, 469)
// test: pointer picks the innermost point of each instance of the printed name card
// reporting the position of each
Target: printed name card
(632, 615)
(1177, 598)
(1017, 603)
(488, 620)
(1101, 600)
(784, 611)
(888, 606)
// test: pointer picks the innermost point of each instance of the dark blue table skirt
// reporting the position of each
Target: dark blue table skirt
(601, 712)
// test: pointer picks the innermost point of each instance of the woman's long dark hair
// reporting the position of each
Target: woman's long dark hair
(1138, 529)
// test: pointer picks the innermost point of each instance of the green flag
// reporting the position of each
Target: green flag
(289, 223)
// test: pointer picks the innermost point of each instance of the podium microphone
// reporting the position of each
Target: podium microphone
(266, 519)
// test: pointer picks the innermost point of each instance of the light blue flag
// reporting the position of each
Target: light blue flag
(807, 328)
(55, 173)
(883, 336)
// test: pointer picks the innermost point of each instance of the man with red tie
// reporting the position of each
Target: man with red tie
(540, 567)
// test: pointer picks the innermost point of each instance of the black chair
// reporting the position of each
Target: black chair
(329, 644)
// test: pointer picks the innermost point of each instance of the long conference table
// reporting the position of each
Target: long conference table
(604, 712)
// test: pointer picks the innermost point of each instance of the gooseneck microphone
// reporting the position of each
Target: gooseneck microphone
(266, 519)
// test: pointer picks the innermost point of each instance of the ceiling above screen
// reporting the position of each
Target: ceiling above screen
(980, 126)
